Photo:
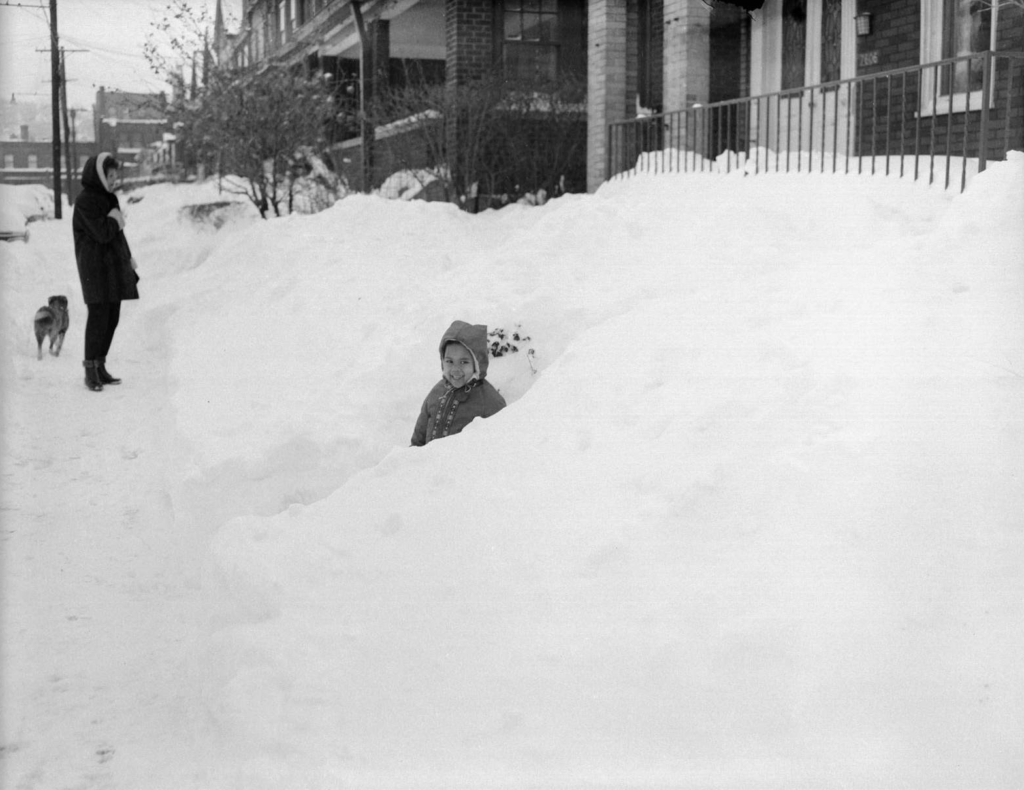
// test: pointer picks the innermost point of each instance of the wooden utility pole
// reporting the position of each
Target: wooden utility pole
(68, 162)
(366, 129)
(55, 100)
(74, 143)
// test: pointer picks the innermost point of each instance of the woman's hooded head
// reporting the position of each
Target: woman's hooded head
(94, 174)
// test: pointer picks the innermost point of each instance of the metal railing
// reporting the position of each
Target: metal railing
(935, 119)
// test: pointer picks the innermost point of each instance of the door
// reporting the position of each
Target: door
(796, 45)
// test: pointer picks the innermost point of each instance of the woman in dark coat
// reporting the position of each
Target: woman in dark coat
(105, 264)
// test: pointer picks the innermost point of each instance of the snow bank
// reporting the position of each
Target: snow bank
(33, 201)
(752, 517)
(755, 520)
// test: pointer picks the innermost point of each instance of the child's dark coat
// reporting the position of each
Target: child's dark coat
(447, 410)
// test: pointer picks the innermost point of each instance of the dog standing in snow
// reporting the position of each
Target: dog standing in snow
(52, 321)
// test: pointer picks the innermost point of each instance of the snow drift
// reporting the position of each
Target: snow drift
(752, 518)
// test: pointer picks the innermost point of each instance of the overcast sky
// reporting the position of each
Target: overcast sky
(112, 31)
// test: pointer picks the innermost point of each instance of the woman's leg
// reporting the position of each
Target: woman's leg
(96, 330)
(95, 337)
(113, 316)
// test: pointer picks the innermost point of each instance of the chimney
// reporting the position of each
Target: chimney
(24, 132)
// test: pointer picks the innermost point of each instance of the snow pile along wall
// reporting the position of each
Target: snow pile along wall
(755, 521)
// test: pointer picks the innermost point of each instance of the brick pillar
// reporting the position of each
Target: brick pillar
(469, 40)
(687, 54)
(606, 81)
(469, 44)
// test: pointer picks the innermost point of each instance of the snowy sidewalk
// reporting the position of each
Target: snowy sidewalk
(100, 591)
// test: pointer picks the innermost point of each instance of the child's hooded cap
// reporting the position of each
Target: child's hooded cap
(474, 338)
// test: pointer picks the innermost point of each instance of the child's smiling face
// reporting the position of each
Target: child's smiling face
(457, 366)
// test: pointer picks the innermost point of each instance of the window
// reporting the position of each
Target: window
(966, 28)
(954, 29)
(831, 40)
(304, 12)
(540, 41)
(794, 43)
(33, 161)
(8, 161)
(531, 40)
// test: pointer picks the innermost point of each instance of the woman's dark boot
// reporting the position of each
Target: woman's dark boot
(92, 375)
(105, 378)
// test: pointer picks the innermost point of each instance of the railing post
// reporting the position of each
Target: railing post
(1009, 107)
(949, 119)
(888, 121)
(849, 124)
(986, 89)
(936, 76)
(608, 152)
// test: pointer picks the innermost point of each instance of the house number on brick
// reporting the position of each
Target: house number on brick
(868, 58)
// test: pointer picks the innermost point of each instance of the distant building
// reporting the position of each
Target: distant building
(27, 161)
(129, 124)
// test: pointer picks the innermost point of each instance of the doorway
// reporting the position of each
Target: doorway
(800, 50)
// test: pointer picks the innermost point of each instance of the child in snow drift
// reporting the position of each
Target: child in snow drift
(461, 394)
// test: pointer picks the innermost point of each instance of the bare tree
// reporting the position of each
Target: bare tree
(264, 128)
(177, 47)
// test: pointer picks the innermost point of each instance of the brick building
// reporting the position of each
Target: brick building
(947, 99)
(645, 57)
(814, 62)
(31, 162)
(130, 124)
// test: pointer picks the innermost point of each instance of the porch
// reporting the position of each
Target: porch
(942, 121)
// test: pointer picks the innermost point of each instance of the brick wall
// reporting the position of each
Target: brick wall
(469, 43)
(888, 110)
(632, 58)
(1010, 36)
(405, 151)
(469, 39)
(22, 150)
(895, 34)
(19, 151)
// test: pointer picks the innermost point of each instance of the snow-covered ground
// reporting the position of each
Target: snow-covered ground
(753, 518)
